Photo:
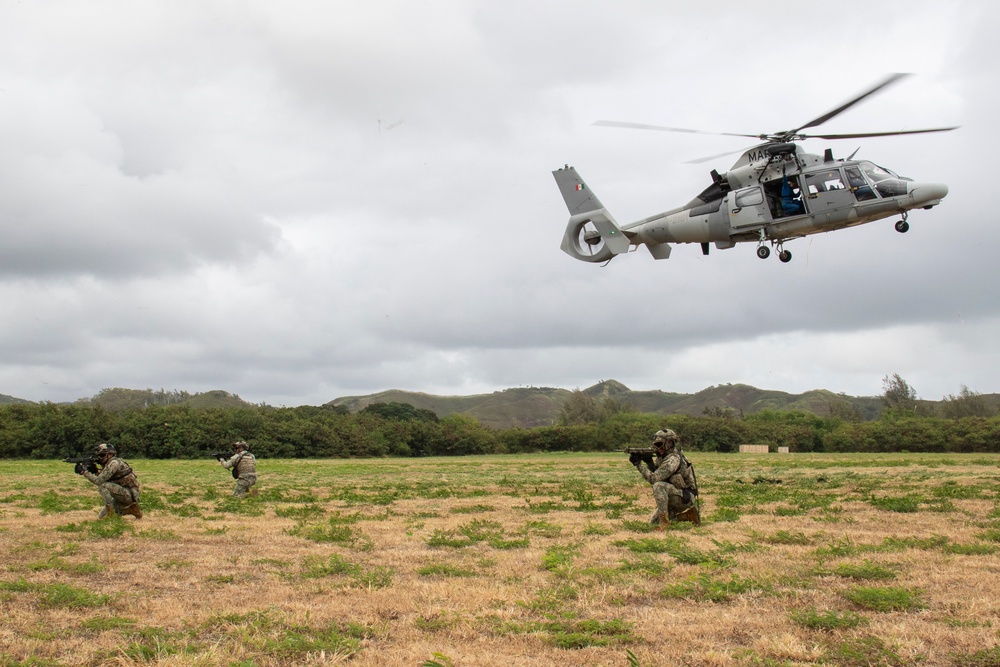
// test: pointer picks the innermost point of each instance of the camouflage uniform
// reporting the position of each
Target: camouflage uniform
(244, 467)
(116, 482)
(674, 486)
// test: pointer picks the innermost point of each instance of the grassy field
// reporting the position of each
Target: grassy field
(846, 560)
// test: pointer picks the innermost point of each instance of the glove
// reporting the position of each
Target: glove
(79, 468)
(634, 458)
(648, 459)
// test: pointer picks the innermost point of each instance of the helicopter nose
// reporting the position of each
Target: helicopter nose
(927, 193)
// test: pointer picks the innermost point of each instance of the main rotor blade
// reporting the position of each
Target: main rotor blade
(889, 80)
(862, 135)
(661, 128)
(699, 160)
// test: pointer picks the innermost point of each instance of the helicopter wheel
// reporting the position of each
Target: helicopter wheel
(902, 226)
(785, 256)
(763, 252)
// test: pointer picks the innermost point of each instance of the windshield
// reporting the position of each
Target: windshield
(875, 172)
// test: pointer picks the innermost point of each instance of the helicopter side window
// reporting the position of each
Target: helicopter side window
(859, 186)
(824, 182)
(749, 198)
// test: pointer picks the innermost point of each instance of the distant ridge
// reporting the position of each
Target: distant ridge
(529, 407)
(540, 406)
(10, 400)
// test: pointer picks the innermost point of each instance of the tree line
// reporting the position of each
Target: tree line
(163, 431)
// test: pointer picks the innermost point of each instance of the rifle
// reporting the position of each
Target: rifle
(644, 453)
(640, 450)
(82, 463)
(221, 455)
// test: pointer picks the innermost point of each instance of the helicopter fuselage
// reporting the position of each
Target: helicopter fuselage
(773, 193)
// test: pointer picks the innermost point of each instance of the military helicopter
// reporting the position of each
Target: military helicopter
(774, 192)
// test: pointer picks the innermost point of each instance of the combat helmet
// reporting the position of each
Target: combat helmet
(666, 436)
(104, 449)
(240, 444)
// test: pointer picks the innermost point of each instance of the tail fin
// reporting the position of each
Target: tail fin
(589, 222)
(578, 197)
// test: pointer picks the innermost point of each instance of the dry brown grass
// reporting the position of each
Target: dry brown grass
(548, 564)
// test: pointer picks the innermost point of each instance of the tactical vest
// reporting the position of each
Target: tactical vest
(125, 477)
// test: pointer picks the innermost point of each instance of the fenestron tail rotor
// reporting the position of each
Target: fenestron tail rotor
(589, 239)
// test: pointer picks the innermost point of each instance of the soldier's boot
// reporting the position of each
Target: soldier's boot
(106, 512)
(134, 510)
(690, 514)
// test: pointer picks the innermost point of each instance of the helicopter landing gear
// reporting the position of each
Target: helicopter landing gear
(764, 252)
(902, 226)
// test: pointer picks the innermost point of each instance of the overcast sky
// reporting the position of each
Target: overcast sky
(299, 201)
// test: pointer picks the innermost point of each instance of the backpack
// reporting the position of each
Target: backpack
(690, 481)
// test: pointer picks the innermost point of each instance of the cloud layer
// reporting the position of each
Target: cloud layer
(316, 199)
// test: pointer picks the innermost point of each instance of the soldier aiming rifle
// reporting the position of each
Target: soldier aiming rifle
(115, 480)
(243, 465)
(671, 475)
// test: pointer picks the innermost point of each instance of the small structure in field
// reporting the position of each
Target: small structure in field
(754, 449)
(782, 450)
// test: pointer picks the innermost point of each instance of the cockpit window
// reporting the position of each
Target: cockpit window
(859, 186)
(876, 173)
(891, 188)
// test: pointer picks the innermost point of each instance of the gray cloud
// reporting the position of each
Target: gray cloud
(299, 202)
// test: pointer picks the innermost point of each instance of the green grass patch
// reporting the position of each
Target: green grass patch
(542, 529)
(105, 623)
(570, 633)
(987, 657)
(645, 564)
(865, 652)
(885, 599)
(351, 574)
(57, 594)
(559, 559)
(972, 549)
(904, 504)
(597, 529)
(787, 538)
(865, 570)
(445, 570)
(109, 528)
(725, 515)
(52, 502)
(704, 587)
(991, 535)
(473, 509)
(827, 620)
(301, 512)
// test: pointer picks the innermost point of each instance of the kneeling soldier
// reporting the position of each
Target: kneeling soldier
(672, 478)
(244, 467)
(116, 482)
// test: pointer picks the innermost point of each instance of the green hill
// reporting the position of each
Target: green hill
(540, 406)
(127, 399)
